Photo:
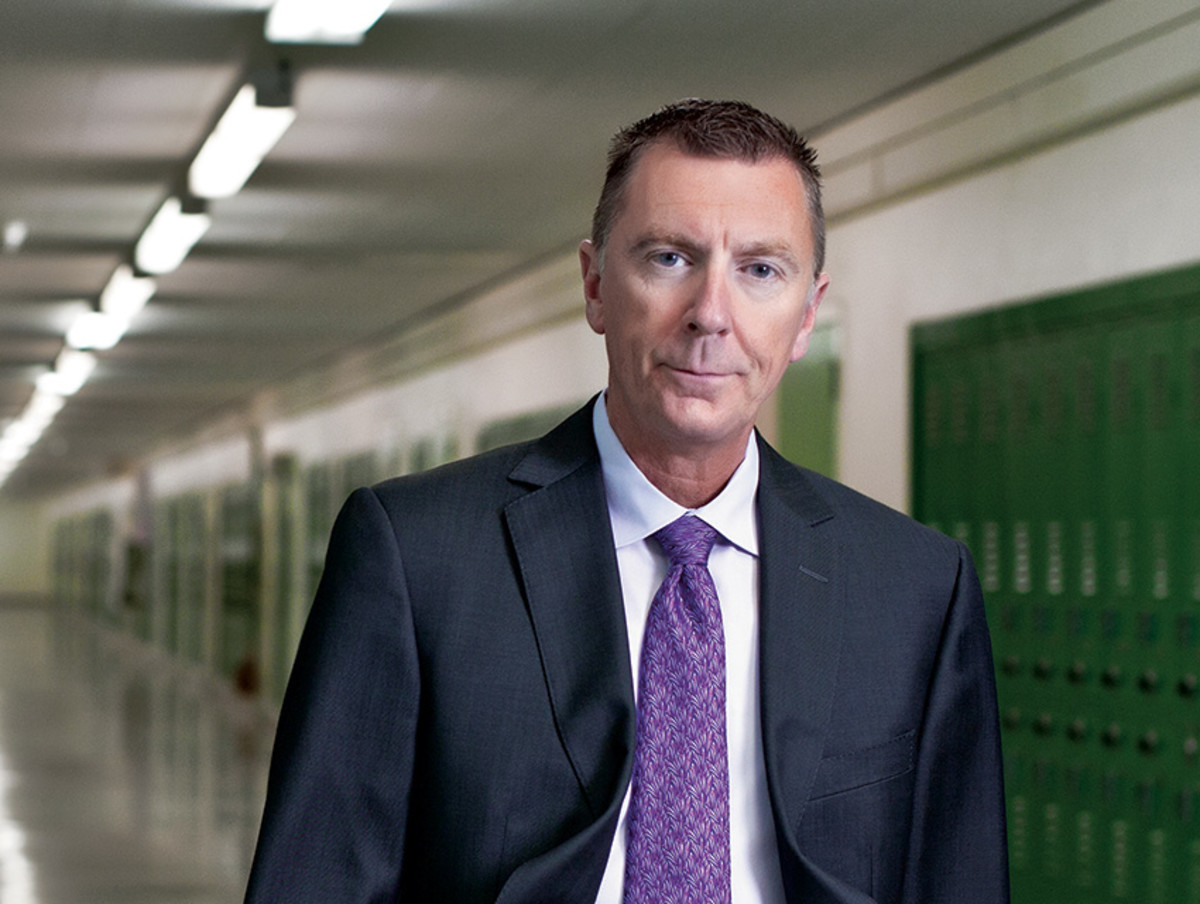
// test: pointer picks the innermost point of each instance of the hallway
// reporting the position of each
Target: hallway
(122, 778)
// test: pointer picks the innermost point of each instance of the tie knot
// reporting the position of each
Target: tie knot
(687, 540)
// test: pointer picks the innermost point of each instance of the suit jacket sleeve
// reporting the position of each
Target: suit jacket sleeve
(957, 849)
(334, 822)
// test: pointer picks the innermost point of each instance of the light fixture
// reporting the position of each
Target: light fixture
(41, 410)
(15, 234)
(71, 370)
(21, 434)
(322, 21)
(11, 449)
(245, 134)
(96, 330)
(126, 294)
(170, 236)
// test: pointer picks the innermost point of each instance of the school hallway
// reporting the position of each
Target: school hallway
(124, 779)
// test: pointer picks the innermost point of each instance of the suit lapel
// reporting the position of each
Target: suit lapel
(563, 545)
(564, 550)
(799, 642)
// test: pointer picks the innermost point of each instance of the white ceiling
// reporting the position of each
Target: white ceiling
(463, 140)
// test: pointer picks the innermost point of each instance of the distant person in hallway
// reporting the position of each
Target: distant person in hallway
(643, 658)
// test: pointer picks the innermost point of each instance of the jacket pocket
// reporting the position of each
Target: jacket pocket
(853, 769)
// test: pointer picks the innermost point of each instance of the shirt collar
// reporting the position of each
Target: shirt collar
(637, 508)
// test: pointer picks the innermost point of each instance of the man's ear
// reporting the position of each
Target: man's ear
(589, 264)
(800, 346)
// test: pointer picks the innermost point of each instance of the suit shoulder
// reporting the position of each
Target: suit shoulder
(866, 520)
(862, 508)
(495, 464)
(477, 481)
(489, 480)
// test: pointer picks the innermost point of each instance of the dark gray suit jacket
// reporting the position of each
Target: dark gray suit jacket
(459, 724)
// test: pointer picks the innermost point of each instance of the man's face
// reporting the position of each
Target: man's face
(705, 295)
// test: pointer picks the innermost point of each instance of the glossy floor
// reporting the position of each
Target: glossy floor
(122, 778)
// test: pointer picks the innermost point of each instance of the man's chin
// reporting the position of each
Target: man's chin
(699, 424)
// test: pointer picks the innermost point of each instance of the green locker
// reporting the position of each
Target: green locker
(359, 471)
(286, 524)
(808, 402)
(240, 566)
(318, 521)
(988, 495)
(191, 578)
(497, 433)
(1082, 497)
(98, 531)
(166, 574)
(927, 433)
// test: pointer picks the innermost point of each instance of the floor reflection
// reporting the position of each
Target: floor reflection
(123, 778)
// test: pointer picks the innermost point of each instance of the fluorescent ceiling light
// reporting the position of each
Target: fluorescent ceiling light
(125, 293)
(21, 434)
(26, 430)
(322, 21)
(41, 409)
(169, 237)
(15, 234)
(11, 451)
(244, 135)
(71, 370)
(96, 330)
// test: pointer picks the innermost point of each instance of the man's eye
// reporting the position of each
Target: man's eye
(667, 258)
(762, 271)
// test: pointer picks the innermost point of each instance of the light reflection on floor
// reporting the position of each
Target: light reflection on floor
(122, 777)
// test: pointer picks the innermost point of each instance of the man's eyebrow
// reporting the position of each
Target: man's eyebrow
(780, 251)
(665, 240)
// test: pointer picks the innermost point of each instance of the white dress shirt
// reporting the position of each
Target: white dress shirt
(636, 509)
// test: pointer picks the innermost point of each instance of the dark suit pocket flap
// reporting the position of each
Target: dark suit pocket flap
(857, 768)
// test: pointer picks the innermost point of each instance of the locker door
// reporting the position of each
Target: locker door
(191, 578)
(318, 521)
(929, 429)
(240, 565)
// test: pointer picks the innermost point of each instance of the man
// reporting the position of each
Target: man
(815, 713)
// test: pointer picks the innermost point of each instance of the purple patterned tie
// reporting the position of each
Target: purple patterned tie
(679, 804)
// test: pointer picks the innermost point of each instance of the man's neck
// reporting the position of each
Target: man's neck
(692, 477)
(688, 482)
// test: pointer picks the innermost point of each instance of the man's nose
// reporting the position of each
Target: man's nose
(709, 312)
